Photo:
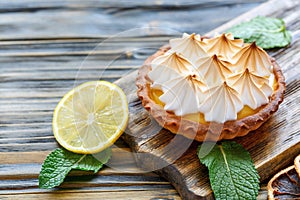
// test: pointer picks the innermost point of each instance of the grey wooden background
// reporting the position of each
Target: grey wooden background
(48, 47)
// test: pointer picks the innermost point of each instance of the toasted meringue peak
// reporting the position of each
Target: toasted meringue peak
(183, 94)
(254, 90)
(213, 69)
(197, 84)
(223, 45)
(173, 60)
(163, 68)
(189, 46)
(254, 58)
(222, 104)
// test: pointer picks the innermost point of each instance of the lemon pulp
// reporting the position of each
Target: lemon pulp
(91, 117)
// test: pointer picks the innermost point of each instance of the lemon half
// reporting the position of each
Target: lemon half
(91, 117)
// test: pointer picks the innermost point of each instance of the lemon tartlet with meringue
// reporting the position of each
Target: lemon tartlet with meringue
(210, 88)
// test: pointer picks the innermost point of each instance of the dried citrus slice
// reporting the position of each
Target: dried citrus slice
(285, 185)
(91, 117)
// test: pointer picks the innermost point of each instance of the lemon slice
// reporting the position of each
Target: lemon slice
(91, 117)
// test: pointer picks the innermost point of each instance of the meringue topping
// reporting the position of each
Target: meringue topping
(253, 89)
(213, 69)
(189, 46)
(181, 91)
(223, 45)
(222, 103)
(163, 67)
(254, 58)
(173, 60)
(216, 77)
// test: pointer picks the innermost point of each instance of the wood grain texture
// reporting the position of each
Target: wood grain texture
(43, 46)
(272, 146)
(37, 19)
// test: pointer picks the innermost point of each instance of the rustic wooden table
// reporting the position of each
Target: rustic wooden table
(48, 47)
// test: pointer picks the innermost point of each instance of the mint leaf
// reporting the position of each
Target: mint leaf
(231, 172)
(60, 162)
(94, 162)
(267, 32)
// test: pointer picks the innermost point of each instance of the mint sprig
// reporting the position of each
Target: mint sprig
(60, 162)
(267, 32)
(231, 171)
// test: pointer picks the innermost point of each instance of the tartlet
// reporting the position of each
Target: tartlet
(242, 117)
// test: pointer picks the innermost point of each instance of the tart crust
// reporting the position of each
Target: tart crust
(210, 131)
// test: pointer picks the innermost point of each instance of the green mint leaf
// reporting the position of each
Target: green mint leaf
(267, 32)
(60, 162)
(231, 171)
(94, 162)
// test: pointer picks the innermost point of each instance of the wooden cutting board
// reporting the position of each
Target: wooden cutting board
(272, 147)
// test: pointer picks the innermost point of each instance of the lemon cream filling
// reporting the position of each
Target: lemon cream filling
(218, 79)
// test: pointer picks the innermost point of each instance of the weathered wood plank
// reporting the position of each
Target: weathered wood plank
(19, 174)
(119, 155)
(41, 19)
(115, 195)
(165, 4)
(85, 179)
